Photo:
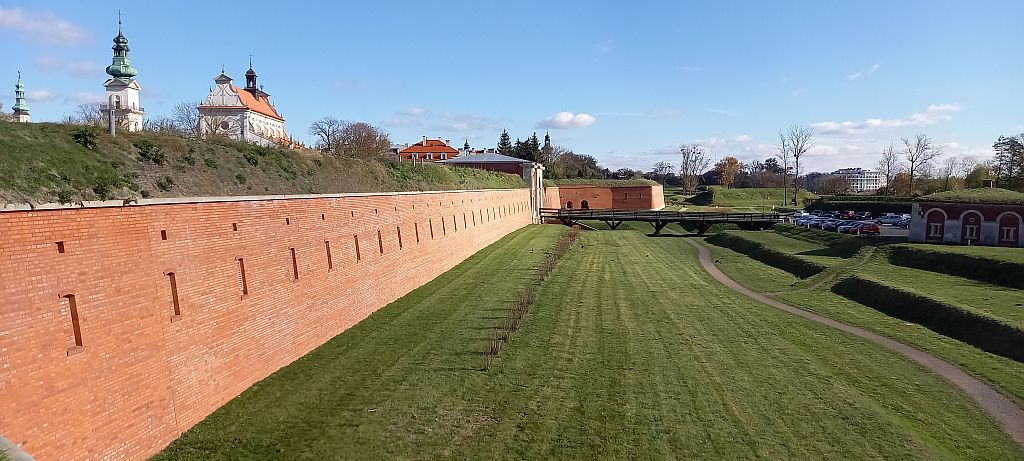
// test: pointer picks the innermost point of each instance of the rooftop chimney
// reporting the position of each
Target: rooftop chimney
(424, 141)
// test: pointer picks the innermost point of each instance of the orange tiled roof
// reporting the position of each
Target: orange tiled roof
(433, 146)
(257, 104)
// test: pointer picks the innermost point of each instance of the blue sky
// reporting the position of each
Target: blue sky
(625, 82)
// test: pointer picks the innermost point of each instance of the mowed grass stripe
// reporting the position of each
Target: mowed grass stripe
(631, 351)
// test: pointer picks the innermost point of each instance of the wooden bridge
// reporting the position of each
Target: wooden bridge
(659, 219)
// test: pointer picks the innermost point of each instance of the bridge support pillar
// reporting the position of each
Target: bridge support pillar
(658, 226)
(702, 227)
(613, 224)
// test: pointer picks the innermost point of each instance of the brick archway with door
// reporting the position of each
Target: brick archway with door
(970, 227)
(935, 226)
(1008, 231)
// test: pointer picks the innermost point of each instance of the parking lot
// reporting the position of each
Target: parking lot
(890, 225)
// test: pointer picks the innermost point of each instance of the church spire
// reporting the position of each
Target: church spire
(19, 96)
(250, 76)
(121, 66)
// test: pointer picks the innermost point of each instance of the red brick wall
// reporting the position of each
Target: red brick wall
(142, 377)
(619, 197)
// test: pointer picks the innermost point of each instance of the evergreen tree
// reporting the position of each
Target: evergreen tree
(519, 150)
(533, 153)
(504, 144)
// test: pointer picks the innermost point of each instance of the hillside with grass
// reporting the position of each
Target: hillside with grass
(44, 163)
(753, 199)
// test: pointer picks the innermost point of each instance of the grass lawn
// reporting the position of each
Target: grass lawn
(631, 351)
(1013, 255)
(1003, 373)
(754, 197)
(1003, 304)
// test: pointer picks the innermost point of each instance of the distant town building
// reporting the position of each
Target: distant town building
(122, 90)
(20, 107)
(861, 180)
(243, 114)
(428, 150)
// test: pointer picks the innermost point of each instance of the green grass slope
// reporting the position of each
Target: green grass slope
(43, 163)
(631, 352)
(978, 299)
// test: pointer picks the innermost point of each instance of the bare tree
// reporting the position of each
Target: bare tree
(662, 169)
(798, 140)
(361, 139)
(185, 116)
(919, 155)
(783, 157)
(694, 161)
(327, 132)
(889, 165)
(89, 114)
(161, 124)
(952, 168)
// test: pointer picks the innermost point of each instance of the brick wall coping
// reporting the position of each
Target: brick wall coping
(10, 207)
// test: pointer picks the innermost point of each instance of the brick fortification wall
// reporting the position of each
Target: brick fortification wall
(96, 359)
(617, 197)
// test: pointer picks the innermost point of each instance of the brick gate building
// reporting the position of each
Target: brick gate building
(985, 216)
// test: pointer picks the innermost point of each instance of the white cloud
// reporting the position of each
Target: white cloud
(39, 95)
(743, 138)
(415, 110)
(85, 98)
(77, 69)
(934, 114)
(567, 120)
(41, 26)
(863, 73)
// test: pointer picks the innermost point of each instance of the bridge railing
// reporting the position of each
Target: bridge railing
(647, 215)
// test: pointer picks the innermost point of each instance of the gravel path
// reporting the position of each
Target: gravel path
(1004, 410)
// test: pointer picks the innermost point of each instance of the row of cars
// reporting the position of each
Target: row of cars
(846, 222)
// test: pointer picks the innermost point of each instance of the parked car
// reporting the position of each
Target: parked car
(903, 223)
(847, 215)
(862, 228)
(847, 225)
(864, 215)
(817, 212)
(889, 218)
(831, 224)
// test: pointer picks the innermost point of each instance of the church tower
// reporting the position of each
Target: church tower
(547, 151)
(122, 88)
(20, 108)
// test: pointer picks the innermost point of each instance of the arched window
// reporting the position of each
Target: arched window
(935, 224)
(970, 227)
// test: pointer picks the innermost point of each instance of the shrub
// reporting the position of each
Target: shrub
(979, 268)
(251, 158)
(86, 137)
(876, 207)
(949, 320)
(240, 178)
(210, 163)
(794, 265)
(165, 184)
(149, 151)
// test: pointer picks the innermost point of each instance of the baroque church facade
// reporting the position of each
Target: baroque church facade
(243, 114)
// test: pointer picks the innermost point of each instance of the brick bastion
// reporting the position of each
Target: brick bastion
(123, 326)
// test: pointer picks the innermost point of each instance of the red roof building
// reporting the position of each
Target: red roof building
(428, 150)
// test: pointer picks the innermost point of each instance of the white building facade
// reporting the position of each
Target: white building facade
(861, 180)
(243, 114)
